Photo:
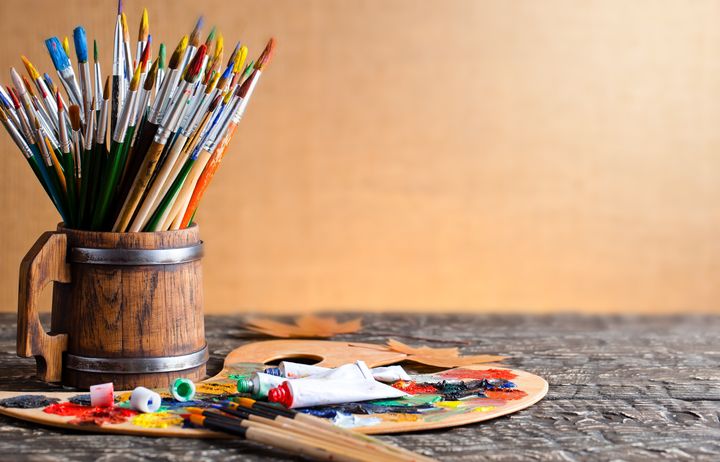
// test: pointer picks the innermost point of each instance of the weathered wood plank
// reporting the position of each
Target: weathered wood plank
(622, 388)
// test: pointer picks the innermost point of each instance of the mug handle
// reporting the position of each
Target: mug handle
(44, 263)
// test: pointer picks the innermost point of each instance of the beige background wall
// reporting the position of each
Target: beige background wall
(441, 155)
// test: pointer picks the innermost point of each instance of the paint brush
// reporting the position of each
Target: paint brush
(70, 162)
(273, 437)
(118, 71)
(98, 81)
(161, 69)
(168, 126)
(86, 162)
(81, 52)
(165, 177)
(376, 449)
(318, 422)
(48, 100)
(206, 175)
(114, 166)
(99, 158)
(142, 35)
(64, 69)
(129, 64)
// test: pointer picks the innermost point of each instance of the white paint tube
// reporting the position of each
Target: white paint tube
(292, 370)
(316, 392)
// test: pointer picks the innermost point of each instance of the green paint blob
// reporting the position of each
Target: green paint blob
(412, 400)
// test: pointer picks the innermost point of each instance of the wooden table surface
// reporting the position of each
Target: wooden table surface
(621, 388)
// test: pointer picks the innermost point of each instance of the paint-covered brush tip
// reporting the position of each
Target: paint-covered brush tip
(195, 35)
(95, 50)
(106, 89)
(80, 40)
(58, 99)
(178, 53)
(120, 7)
(193, 69)
(144, 26)
(57, 53)
(75, 117)
(34, 74)
(135, 82)
(266, 55)
(150, 77)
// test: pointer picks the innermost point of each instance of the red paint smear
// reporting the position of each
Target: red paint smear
(86, 415)
(505, 394)
(67, 408)
(103, 415)
(414, 388)
(479, 374)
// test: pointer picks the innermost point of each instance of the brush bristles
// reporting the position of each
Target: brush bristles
(80, 40)
(106, 89)
(75, 117)
(150, 77)
(178, 53)
(95, 51)
(161, 56)
(57, 53)
(66, 45)
(28, 87)
(135, 82)
(266, 55)
(59, 102)
(146, 52)
(193, 70)
(240, 59)
(210, 38)
(144, 26)
(34, 74)
(195, 35)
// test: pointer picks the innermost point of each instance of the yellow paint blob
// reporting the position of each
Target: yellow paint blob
(217, 388)
(157, 420)
(450, 404)
(399, 417)
(483, 409)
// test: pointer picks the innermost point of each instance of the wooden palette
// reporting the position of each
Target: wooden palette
(254, 357)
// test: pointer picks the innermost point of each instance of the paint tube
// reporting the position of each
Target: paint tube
(353, 371)
(259, 384)
(316, 392)
(292, 370)
(390, 374)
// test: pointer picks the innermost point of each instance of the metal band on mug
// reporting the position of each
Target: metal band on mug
(137, 365)
(136, 257)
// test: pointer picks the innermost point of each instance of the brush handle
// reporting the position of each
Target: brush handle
(163, 177)
(207, 175)
(44, 263)
(137, 190)
(163, 209)
(110, 178)
(178, 210)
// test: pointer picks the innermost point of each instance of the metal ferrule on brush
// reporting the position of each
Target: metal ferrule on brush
(246, 99)
(89, 135)
(161, 100)
(76, 154)
(98, 87)
(44, 148)
(198, 115)
(65, 144)
(124, 120)
(172, 119)
(102, 123)
(119, 62)
(86, 86)
(19, 139)
(67, 77)
(193, 105)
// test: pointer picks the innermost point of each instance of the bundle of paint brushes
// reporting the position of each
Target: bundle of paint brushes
(169, 126)
(297, 433)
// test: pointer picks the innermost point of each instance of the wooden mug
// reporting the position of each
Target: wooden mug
(127, 307)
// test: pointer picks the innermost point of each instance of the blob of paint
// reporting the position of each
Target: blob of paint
(216, 388)
(415, 388)
(486, 374)
(67, 409)
(27, 401)
(505, 394)
(157, 420)
(103, 415)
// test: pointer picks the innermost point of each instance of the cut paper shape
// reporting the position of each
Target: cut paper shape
(306, 326)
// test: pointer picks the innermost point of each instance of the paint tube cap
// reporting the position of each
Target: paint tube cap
(245, 385)
(281, 394)
(182, 389)
(102, 395)
(145, 400)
